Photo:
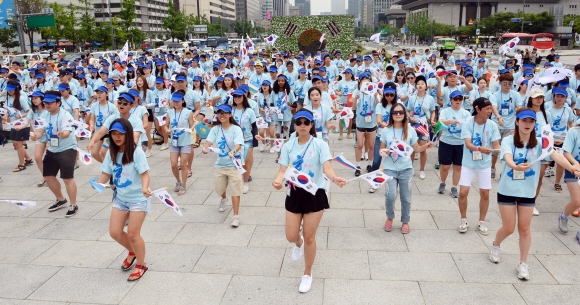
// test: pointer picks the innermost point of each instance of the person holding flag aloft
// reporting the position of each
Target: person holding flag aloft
(229, 137)
(311, 157)
(127, 165)
(398, 165)
(481, 136)
(366, 122)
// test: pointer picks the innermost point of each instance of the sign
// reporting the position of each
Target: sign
(384, 32)
(477, 31)
(6, 13)
(406, 31)
(564, 36)
(39, 21)
(200, 29)
(48, 11)
(402, 30)
(516, 20)
(470, 21)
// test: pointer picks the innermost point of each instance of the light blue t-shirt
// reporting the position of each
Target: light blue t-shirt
(278, 100)
(452, 135)
(55, 124)
(158, 97)
(225, 140)
(421, 106)
(506, 104)
(473, 95)
(191, 98)
(345, 87)
(127, 178)
(480, 135)
(102, 112)
(32, 116)
(572, 142)
(245, 117)
(322, 115)
(560, 120)
(445, 97)
(301, 87)
(365, 107)
(385, 113)
(525, 188)
(136, 123)
(388, 134)
(179, 119)
(307, 158)
(23, 104)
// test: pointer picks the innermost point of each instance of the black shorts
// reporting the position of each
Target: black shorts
(450, 154)
(511, 200)
(150, 117)
(302, 202)
(20, 135)
(62, 161)
(373, 129)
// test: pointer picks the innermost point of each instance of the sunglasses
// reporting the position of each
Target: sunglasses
(398, 112)
(222, 113)
(306, 122)
(458, 98)
(410, 78)
(390, 94)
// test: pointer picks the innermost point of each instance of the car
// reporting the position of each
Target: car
(395, 44)
(108, 55)
(71, 56)
(44, 54)
(32, 58)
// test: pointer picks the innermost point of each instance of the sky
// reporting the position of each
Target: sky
(317, 6)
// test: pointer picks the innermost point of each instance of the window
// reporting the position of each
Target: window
(573, 6)
(541, 5)
(526, 5)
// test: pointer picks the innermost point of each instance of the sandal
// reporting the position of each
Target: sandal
(181, 191)
(196, 144)
(28, 162)
(189, 174)
(177, 186)
(140, 271)
(126, 264)
(558, 188)
(41, 183)
(19, 169)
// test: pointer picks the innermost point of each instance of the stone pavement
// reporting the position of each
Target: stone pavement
(200, 259)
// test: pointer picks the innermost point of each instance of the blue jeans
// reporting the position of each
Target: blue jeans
(377, 159)
(402, 181)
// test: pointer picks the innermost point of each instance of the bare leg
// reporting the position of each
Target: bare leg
(508, 223)
(456, 174)
(71, 190)
(54, 186)
(248, 164)
(443, 172)
(542, 171)
(310, 226)
(524, 221)
(463, 193)
(236, 204)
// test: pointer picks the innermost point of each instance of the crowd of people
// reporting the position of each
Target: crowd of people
(471, 114)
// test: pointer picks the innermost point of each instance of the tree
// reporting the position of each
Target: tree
(87, 23)
(127, 30)
(8, 38)
(217, 29)
(29, 7)
(61, 21)
(175, 23)
(242, 27)
(576, 19)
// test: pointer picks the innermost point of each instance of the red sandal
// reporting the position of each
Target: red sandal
(139, 273)
(126, 265)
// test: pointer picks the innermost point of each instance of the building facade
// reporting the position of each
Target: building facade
(337, 7)
(248, 10)
(296, 10)
(214, 10)
(266, 6)
(305, 6)
(148, 13)
(281, 7)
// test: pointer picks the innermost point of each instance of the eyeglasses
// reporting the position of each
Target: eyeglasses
(506, 83)
(124, 103)
(400, 75)
(306, 122)
(216, 69)
(390, 94)
(398, 112)
(458, 98)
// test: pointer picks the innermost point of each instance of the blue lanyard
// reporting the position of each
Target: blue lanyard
(178, 118)
(225, 141)
(395, 135)
(482, 132)
(514, 153)
(55, 124)
(305, 150)
(234, 114)
(70, 106)
(108, 109)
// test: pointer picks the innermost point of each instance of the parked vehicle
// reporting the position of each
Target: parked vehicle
(447, 43)
(32, 58)
(544, 42)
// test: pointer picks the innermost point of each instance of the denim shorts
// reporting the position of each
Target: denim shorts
(512, 201)
(141, 206)
(569, 177)
(180, 149)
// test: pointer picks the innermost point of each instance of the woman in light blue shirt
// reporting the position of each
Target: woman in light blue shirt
(37, 110)
(572, 154)
(246, 118)
(364, 106)
(383, 112)
(282, 97)
(180, 120)
(345, 88)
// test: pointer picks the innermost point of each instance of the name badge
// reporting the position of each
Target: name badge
(280, 116)
(505, 110)
(519, 175)
(174, 139)
(368, 119)
(156, 109)
(477, 156)
(54, 140)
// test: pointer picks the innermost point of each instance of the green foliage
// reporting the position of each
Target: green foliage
(87, 29)
(217, 29)
(29, 7)
(576, 19)
(7, 38)
(365, 31)
(500, 23)
(342, 41)
(242, 27)
(175, 23)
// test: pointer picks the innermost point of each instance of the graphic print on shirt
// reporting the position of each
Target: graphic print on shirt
(506, 105)
(239, 120)
(557, 124)
(454, 128)
(100, 119)
(117, 172)
(519, 160)
(365, 110)
(222, 146)
(476, 140)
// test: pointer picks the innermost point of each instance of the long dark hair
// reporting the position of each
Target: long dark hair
(517, 141)
(16, 103)
(232, 121)
(384, 101)
(245, 103)
(312, 130)
(276, 88)
(201, 85)
(35, 108)
(144, 88)
(542, 108)
(405, 120)
(130, 145)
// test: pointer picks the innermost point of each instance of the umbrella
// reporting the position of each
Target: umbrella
(34, 44)
(96, 44)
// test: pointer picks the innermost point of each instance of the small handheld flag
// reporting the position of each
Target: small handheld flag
(21, 204)
(301, 180)
(211, 149)
(238, 164)
(271, 39)
(376, 38)
(40, 123)
(202, 130)
(19, 123)
(261, 123)
(342, 160)
(164, 197)
(401, 148)
(162, 119)
(84, 157)
(99, 187)
(376, 178)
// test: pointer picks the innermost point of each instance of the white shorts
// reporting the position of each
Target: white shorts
(483, 177)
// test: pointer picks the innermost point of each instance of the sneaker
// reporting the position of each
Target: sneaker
(72, 210)
(523, 272)
(388, 226)
(536, 212)
(441, 189)
(250, 178)
(416, 157)
(272, 150)
(463, 225)
(549, 172)
(349, 136)
(223, 204)
(563, 223)
(246, 188)
(454, 193)
(493, 173)
(494, 254)
(437, 165)
(58, 204)
(297, 252)
(148, 153)
(367, 155)
(369, 168)
(164, 146)
(261, 147)
(236, 221)
(372, 190)
(422, 175)
(357, 171)
(305, 284)
(481, 228)
(340, 138)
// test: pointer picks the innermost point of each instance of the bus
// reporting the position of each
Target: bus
(544, 42)
(447, 43)
(215, 41)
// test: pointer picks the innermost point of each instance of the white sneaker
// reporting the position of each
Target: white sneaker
(223, 204)
(164, 146)
(297, 252)
(372, 190)
(246, 187)
(416, 156)
(481, 228)
(305, 284)
(366, 156)
(262, 146)
(148, 153)
(494, 254)
(272, 150)
(422, 175)
(236, 221)
(463, 225)
(523, 272)
(536, 212)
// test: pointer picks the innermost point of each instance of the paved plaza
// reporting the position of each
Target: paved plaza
(200, 259)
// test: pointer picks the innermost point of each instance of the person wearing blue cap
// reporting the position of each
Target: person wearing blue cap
(99, 111)
(517, 186)
(477, 92)
(364, 105)
(146, 100)
(215, 94)
(331, 69)
(480, 71)
(322, 114)
(310, 156)
(267, 112)
(556, 63)
(84, 95)
(126, 165)
(344, 90)
(39, 83)
(69, 102)
(180, 119)
(150, 78)
(246, 118)
(223, 95)
(571, 149)
(161, 96)
(194, 70)
(61, 153)
(562, 119)
(229, 137)
(282, 98)
(290, 73)
(18, 109)
(37, 110)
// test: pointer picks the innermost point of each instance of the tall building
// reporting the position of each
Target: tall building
(226, 10)
(354, 8)
(148, 13)
(296, 10)
(305, 4)
(281, 7)
(266, 6)
(337, 7)
(248, 10)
